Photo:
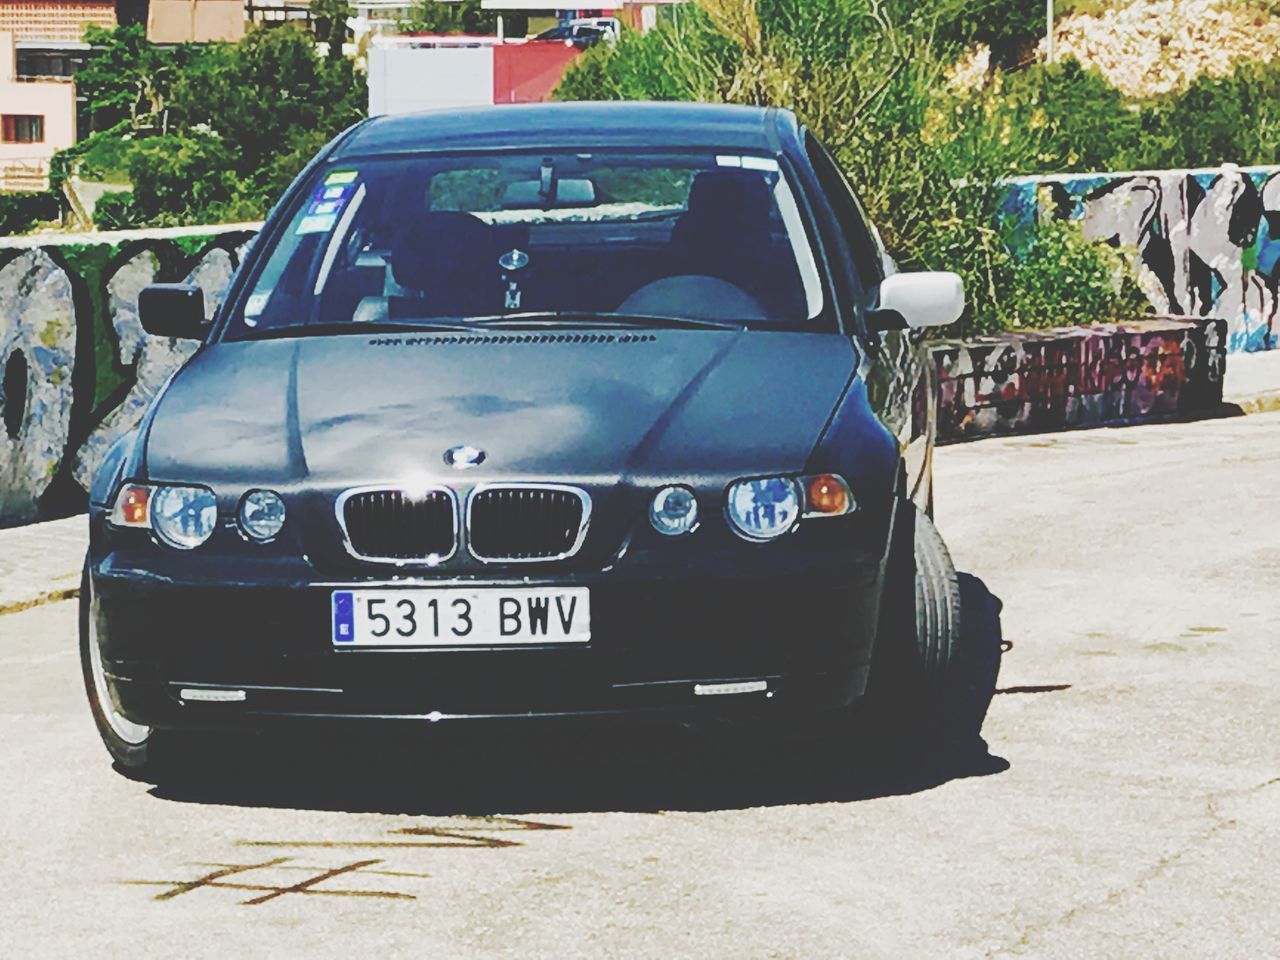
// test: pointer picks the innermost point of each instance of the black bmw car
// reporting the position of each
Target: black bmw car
(562, 411)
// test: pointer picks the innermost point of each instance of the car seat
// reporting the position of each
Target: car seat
(727, 233)
(447, 264)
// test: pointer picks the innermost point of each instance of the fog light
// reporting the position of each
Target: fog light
(262, 515)
(674, 511)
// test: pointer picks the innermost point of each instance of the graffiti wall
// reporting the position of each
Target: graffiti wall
(1201, 243)
(1079, 377)
(76, 368)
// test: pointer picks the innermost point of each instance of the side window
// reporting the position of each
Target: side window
(862, 242)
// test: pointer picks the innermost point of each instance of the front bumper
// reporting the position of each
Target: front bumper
(800, 616)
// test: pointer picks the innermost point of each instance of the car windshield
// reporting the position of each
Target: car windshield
(573, 238)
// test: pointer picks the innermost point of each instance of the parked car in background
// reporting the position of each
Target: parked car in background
(559, 411)
(583, 32)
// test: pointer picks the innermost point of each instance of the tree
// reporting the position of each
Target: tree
(265, 94)
(331, 25)
(214, 132)
(127, 78)
(460, 16)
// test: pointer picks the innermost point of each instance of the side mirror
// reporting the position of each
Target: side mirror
(172, 310)
(918, 300)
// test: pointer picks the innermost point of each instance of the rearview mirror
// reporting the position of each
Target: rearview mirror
(531, 195)
(918, 300)
(172, 310)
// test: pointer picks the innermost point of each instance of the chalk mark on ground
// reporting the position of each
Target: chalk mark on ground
(461, 837)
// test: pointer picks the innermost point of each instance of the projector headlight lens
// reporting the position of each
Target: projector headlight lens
(674, 511)
(184, 517)
(763, 509)
(262, 515)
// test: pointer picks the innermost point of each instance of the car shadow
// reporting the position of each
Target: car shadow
(629, 770)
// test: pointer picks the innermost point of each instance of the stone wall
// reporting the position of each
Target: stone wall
(1079, 377)
(1200, 242)
(76, 369)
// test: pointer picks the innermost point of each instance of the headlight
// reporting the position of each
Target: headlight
(261, 515)
(763, 509)
(184, 517)
(674, 511)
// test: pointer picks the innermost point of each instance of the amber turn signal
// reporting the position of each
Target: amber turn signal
(133, 506)
(827, 495)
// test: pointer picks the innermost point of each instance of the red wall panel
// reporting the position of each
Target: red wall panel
(529, 72)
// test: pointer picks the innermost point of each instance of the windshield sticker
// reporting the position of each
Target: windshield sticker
(316, 224)
(340, 177)
(326, 204)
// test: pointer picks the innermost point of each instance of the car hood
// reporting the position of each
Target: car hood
(596, 407)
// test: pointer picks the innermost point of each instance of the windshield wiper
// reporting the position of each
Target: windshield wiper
(357, 327)
(584, 318)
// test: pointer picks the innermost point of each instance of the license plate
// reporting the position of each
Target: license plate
(488, 617)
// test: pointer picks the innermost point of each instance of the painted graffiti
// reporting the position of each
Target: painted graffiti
(76, 369)
(1079, 376)
(1199, 243)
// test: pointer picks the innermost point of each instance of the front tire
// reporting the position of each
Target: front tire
(139, 751)
(919, 636)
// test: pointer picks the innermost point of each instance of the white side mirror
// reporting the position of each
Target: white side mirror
(923, 299)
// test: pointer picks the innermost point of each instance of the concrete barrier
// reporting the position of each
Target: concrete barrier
(1080, 377)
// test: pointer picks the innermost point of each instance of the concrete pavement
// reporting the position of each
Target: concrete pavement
(1253, 381)
(1125, 802)
(41, 562)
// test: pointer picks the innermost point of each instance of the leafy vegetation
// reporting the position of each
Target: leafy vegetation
(871, 79)
(20, 212)
(115, 211)
(461, 16)
(209, 133)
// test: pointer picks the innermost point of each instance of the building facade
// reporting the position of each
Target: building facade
(195, 21)
(54, 20)
(37, 119)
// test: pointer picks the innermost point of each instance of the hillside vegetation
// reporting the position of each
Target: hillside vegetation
(1148, 48)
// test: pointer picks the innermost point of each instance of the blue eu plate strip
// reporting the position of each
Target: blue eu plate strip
(344, 618)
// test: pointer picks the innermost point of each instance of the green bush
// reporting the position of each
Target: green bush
(22, 212)
(1060, 279)
(1230, 119)
(181, 179)
(115, 211)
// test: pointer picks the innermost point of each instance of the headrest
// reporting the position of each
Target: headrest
(735, 194)
(438, 245)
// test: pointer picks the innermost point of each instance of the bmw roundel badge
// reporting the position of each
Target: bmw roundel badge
(464, 457)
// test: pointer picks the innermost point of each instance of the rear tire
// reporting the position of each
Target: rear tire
(140, 752)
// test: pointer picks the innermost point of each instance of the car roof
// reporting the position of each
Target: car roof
(573, 126)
